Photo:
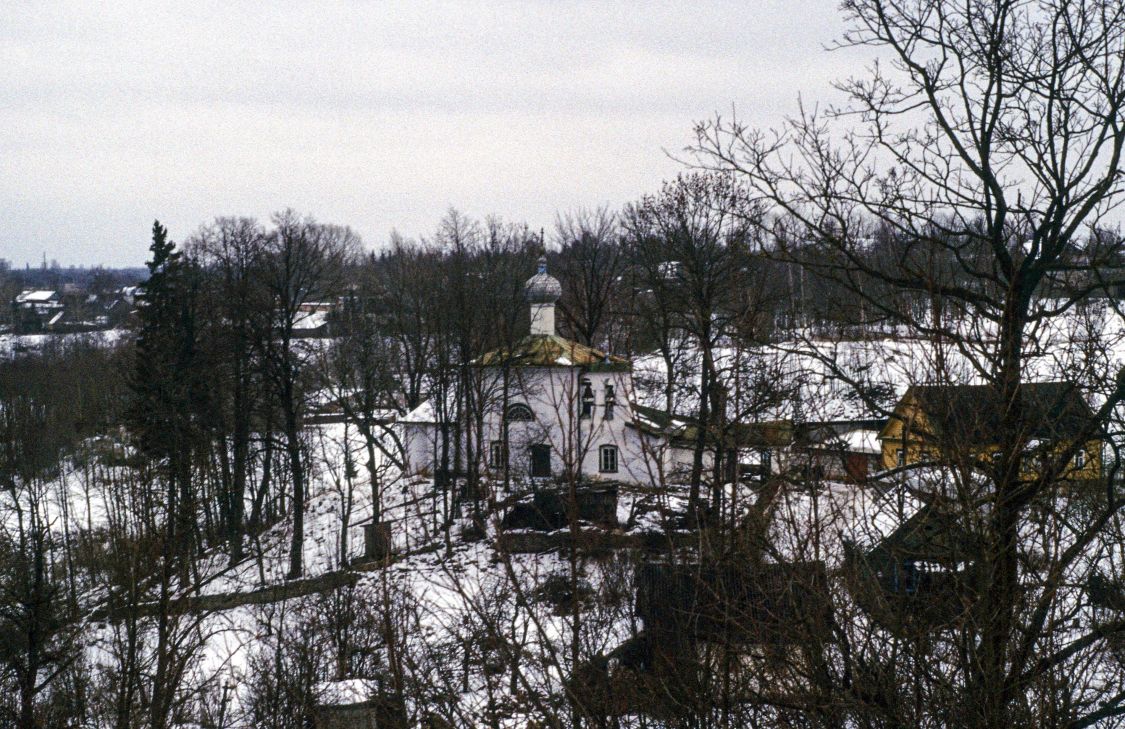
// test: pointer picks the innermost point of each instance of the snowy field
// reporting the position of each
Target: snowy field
(820, 377)
(444, 600)
(17, 344)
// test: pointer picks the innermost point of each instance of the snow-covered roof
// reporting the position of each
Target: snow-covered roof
(427, 411)
(861, 440)
(345, 692)
(654, 420)
(310, 320)
(35, 297)
(424, 413)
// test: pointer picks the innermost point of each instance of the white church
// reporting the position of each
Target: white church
(567, 409)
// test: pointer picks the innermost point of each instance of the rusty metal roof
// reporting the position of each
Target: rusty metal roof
(551, 350)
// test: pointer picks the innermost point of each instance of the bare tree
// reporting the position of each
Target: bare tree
(230, 252)
(590, 269)
(363, 373)
(689, 244)
(991, 139)
(38, 634)
(303, 262)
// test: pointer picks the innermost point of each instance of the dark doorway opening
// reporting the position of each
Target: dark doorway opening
(540, 460)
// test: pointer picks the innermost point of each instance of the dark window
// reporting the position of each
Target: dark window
(587, 408)
(496, 457)
(519, 412)
(610, 401)
(1080, 458)
(904, 577)
(900, 457)
(607, 459)
(540, 460)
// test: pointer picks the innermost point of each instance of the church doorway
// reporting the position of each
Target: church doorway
(540, 460)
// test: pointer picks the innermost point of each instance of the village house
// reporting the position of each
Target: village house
(314, 319)
(951, 424)
(751, 451)
(37, 310)
(71, 308)
(356, 703)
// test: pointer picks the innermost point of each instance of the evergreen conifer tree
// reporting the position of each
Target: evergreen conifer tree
(166, 385)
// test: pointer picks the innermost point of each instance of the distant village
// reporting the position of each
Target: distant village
(70, 309)
(53, 299)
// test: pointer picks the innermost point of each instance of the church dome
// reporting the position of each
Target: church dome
(542, 288)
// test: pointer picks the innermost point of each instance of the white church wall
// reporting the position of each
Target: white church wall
(554, 397)
(419, 443)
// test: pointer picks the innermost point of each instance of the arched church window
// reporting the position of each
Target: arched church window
(519, 412)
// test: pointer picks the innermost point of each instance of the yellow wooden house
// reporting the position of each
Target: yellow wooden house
(951, 424)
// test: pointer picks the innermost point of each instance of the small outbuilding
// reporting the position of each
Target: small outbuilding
(356, 703)
(921, 576)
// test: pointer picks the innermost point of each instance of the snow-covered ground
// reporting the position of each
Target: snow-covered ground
(16, 344)
(444, 600)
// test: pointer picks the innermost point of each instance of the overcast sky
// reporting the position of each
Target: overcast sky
(376, 115)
